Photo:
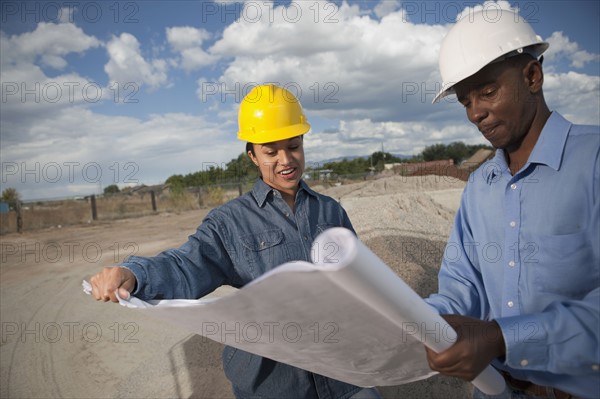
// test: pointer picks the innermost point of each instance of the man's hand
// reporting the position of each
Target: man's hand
(478, 343)
(111, 279)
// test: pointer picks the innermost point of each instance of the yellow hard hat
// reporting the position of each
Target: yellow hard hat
(270, 113)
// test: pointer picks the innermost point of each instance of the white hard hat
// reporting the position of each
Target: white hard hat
(481, 38)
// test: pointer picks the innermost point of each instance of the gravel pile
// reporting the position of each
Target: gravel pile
(419, 206)
(394, 185)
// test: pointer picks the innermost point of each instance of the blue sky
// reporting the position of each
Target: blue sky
(132, 92)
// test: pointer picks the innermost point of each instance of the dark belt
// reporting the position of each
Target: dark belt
(533, 389)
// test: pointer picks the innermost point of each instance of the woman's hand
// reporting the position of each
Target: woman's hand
(109, 280)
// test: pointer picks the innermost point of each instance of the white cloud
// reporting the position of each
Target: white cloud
(491, 9)
(361, 63)
(66, 14)
(127, 65)
(49, 42)
(27, 92)
(302, 28)
(385, 7)
(187, 41)
(154, 148)
(562, 47)
(365, 137)
(184, 37)
(369, 73)
(576, 96)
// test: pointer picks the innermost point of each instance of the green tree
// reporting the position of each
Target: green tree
(434, 152)
(112, 189)
(236, 170)
(457, 151)
(240, 168)
(175, 181)
(11, 196)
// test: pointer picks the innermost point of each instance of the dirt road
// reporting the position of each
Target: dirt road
(57, 342)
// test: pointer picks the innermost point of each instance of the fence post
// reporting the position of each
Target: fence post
(94, 210)
(240, 188)
(200, 196)
(19, 216)
(153, 198)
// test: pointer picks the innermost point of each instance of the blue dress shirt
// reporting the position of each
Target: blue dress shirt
(236, 243)
(525, 251)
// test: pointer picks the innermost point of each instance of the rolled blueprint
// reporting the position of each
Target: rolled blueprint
(359, 270)
(346, 316)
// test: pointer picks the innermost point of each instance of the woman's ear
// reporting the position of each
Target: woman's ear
(253, 158)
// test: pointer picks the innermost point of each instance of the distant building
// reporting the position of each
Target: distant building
(432, 167)
(391, 166)
(325, 174)
(482, 155)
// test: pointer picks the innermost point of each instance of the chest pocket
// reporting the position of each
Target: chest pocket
(564, 265)
(264, 250)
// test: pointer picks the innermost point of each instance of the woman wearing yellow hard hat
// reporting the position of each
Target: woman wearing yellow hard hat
(272, 123)
(274, 223)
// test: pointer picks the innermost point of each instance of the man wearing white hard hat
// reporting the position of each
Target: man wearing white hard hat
(530, 305)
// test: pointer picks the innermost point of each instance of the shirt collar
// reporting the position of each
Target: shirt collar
(309, 191)
(548, 149)
(261, 190)
(550, 146)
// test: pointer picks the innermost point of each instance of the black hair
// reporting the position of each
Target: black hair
(250, 148)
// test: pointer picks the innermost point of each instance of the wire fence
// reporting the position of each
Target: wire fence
(33, 215)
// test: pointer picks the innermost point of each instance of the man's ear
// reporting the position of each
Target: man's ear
(534, 76)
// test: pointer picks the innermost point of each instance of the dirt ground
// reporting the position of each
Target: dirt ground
(58, 342)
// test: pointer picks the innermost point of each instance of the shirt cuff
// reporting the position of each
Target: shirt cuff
(141, 280)
(526, 340)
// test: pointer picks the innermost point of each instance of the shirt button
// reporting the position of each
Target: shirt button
(524, 362)
(513, 186)
(510, 304)
(595, 367)
(513, 223)
(262, 244)
(305, 238)
(287, 215)
(511, 263)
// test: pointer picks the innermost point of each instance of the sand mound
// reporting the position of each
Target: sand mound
(415, 206)
(394, 185)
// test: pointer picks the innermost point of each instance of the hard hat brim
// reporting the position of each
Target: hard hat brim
(447, 89)
(535, 50)
(282, 134)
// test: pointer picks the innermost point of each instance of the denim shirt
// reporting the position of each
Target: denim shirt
(236, 243)
(525, 251)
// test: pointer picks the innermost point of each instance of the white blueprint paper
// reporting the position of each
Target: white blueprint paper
(346, 316)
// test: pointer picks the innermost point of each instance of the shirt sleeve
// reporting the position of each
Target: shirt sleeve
(191, 271)
(460, 285)
(563, 339)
